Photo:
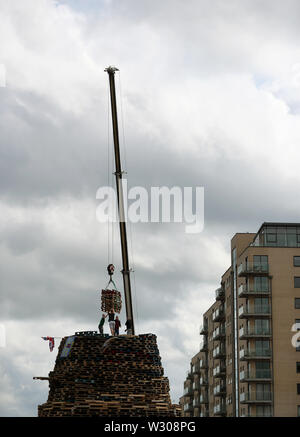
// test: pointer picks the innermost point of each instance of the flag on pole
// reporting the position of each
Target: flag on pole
(51, 342)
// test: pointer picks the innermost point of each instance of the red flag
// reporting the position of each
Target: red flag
(51, 342)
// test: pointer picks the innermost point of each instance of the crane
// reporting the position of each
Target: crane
(119, 183)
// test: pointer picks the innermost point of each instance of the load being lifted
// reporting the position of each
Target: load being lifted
(111, 298)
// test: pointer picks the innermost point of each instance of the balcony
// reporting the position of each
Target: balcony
(188, 408)
(203, 381)
(246, 311)
(203, 364)
(204, 329)
(256, 398)
(219, 332)
(196, 386)
(220, 294)
(245, 333)
(257, 375)
(188, 391)
(244, 291)
(189, 375)
(250, 268)
(203, 398)
(196, 403)
(263, 354)
(204, 413)
(219, 351)
(220, 390)
(196, 368)
(218, 315)
(219, 371)
(204, 346)
(219, 410)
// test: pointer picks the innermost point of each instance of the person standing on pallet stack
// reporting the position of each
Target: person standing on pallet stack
(101, 323)
(128, 327)
(117, 325)
(111, 321)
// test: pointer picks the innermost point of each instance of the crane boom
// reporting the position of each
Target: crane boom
(118, 173)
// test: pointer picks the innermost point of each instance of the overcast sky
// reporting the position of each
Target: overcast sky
(208, 95)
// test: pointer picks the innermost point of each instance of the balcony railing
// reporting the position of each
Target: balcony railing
(245, 290)
(219, 410)
(203, 329)
(203, 346)
(204, 413)
(196, 385)
(219, 332)
(203, 398)
(218, 315)
(220, 390)
(250, 268)
(189, 374)
(219, 351)
(256, 375)
(246, 332)
(220, 293)
(246, 354)
(196, 403)
(203, 364)
(253, 311)
(203, 381)
(219, 371)
(256, 397)
(187, 407)
(188, 391)
(196, 368)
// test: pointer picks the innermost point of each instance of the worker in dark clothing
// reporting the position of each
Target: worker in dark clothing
(101, 323)
(117, 325)
(111, 321)
(128, 327)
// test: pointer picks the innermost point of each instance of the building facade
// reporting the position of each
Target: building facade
(248, 364)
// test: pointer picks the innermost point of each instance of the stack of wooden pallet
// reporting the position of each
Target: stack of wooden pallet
(108, 376)
(111, 299)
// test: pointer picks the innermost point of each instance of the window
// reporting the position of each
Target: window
(262, 369)
(296, 261)
(271, 238)
(263, 392)
(263, 411)
(298, 366)
(262, 326)
(261, 283)
(261, 305)
(296, 281)
(260, 262)
(262, 347)
(298, 389)
(297, 303)
(298, 410)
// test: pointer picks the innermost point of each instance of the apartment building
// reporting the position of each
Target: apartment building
(247, 364)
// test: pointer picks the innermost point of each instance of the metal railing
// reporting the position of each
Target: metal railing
(256, 310)
(261, 353)
(255, 332)
(256, 397)
(256, 374)
(253, 267)
(244, 289)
